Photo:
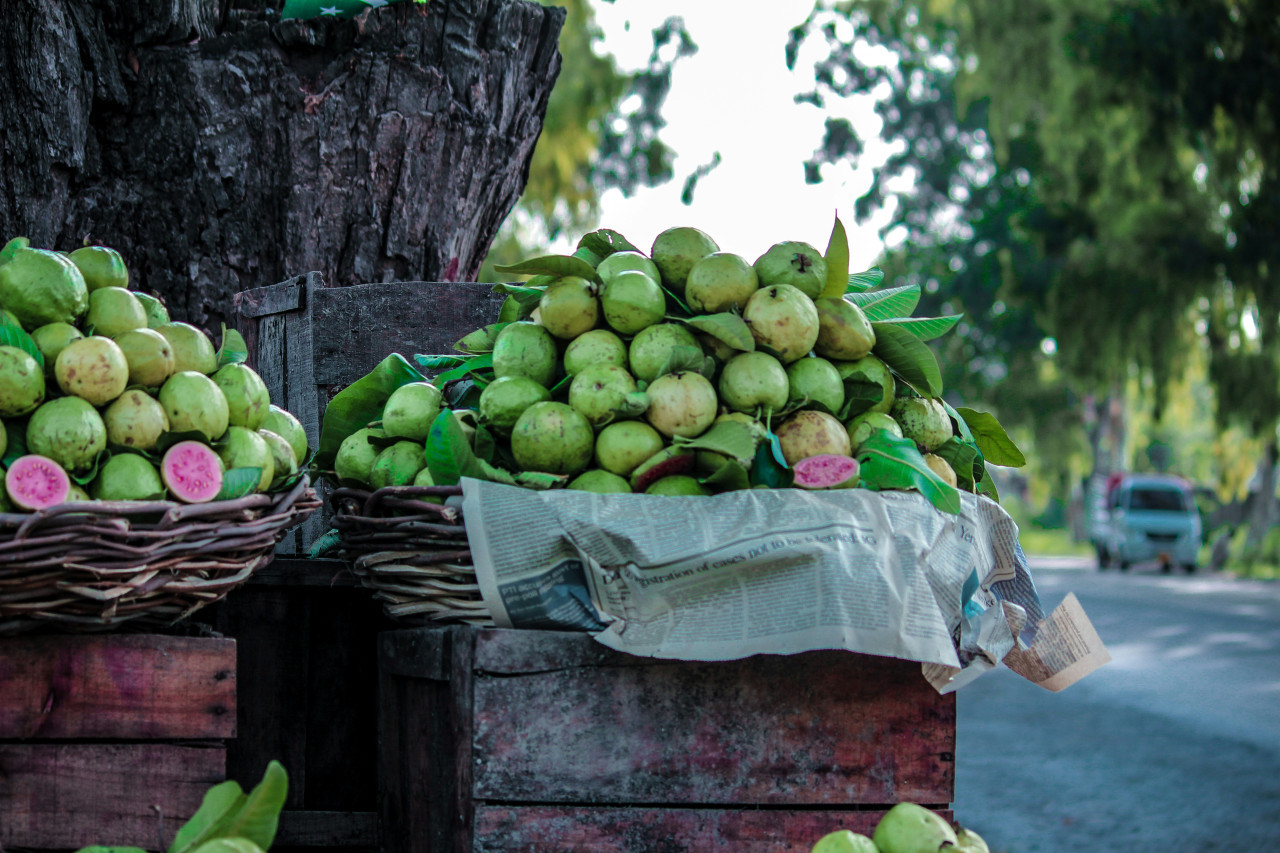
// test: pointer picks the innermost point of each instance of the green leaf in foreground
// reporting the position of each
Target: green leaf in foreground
(361, 402)
(837, 258)
(926, 328)
(964, 458)
(15, 336)
(768, 468)
(731, 476)
(233, 350)
(995, 444)
(887, 304)
(727, 327)
(526, 297)
(605, 241)
(867, 280)
(889, 462)
(228, 813)
(16, 445)
(481, 340)
(557, 265)
(908, 357)
(480, 365)
(440, 362)
(238, 482)
(449, 454)
(728, 438)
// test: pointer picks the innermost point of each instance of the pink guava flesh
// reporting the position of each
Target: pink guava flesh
(826, 471)
(192, 472)
(35, 482)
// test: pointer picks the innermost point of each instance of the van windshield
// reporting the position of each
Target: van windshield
(1158, 499)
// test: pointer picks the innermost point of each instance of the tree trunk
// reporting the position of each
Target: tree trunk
(221, 150)
(1263, 506)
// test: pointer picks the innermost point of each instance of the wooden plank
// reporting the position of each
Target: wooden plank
(272, 299)
(327, 829)
(510, 652)
(416, 653)
(127, 686)
(66, 796)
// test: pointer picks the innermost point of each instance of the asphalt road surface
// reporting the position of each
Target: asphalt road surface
(1173, 747)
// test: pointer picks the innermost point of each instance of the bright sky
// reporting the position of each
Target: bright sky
(736, 96)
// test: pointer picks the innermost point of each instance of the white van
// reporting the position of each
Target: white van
(1148, 517)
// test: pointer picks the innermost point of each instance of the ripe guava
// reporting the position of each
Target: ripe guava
(664, 463)
(942, 468)
(353, 463)
(244, 448)
(149, 356)
(632, 301)
(101, 266)
(968, 841)
(783, 319)
(127, 477)
(868, 424)
(651, 348)
(676, 250)
(873, 370)
(598, 346)
(192, 472)
(157, 314)
(815, 380)
(754, 382)
(677, 485)
(77, 494)
(622, 446)
(812, 433)
(601, 482)
(720, 282)
(282, 422)
(826, 471)
(41, 287)
(682, 403)
(844, 841)
(620, 262)
(247, 399)
(114, 311)
(844, 332)
(35, 482)
(554, 438)
(397, 465)
(411, 409)
(525, 349)
(910, 828)
(795, 263)
(21, 382)
(924, 420)
(192, 348)
(69, 431)
(195, 403)
(569, 307)
(504, 400)
(602, 393)
(52, 338)
(283, 462)
(135, 419)
(93, 368)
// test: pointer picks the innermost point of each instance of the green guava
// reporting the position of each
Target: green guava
(676, 250)
(8, 318)
(603, 393)
(149, 356)
(21, 382)
(815, 380)
(651, 348)
(868, 424)
(282, 422)
(41, 287)
(195, 403)
(924, 420)
(127, 477)
(622, 446)
(620, 262)
(101, 266)
(411, 409)
(844, 332)
(135, 419)
(812, 433)
(52, 338)
(284, 464)
(192, 348)
(911, 828)
(598, 346)
(114, 311)
(601, 482)
(353, 463)
(4, 439)
(873, 370)
(720, 282)
(504, 400)
(677, 485)
(844, 841)
(157, 314)
(968, 841)
(795, 263)
(525, 349)
(69, 431)
(244, 448)
(397, 465)
(554, 438)
(247, 398)
(569, 307)
(632, 301)
(9, 249)
(783, 319)
(93, 368)
(754, 381)
(76, 493)
(682, 403)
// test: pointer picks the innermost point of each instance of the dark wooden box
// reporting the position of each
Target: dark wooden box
(514, 740)
(110, 739)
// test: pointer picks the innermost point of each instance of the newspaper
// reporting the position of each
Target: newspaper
(775, 571)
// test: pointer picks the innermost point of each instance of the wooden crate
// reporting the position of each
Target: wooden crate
(515, 740)
(110, 739)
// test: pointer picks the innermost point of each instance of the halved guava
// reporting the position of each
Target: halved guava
(192, 472)
(35, 482)
(826, 471)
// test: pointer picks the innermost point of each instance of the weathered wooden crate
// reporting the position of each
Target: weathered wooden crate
(506, 740)
(110, 739)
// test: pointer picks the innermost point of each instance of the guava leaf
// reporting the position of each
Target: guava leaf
(867, 280)
(926, 328)
(238, 482)
(986, 486)
(483, 444)
(964, 458)
(16, 446)
(560, 390)
(677, 302)
(361, 402)
(448, 454)
(958, 423)
(86, 476)
(859, 396)
(889, 462)
(330, 541)
(479, 365)
(894, 302)
(527, 297)
(14, 336)
(464, 394)
(729, 477)
(683, 358)
(768, 468)
(556, 265)
(837, 258)
(227, 812)
(228, 845)
(909, 357)
(540, 480)
(728, 438)
(233, 350)
(481, 340)
(440, 362)
(727, 327)
(11, 248)
(995, 444)
(604, 242)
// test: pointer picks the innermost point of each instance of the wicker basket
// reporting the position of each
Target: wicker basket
(412, 552)
(101, 565)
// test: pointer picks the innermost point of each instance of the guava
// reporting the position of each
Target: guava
(651, 348)
(844, 841)
(569, 307)
(282, 422)
(157, 314)
(598, 346)
(284, 464)
(195, 403)
(601, 482)
(135, 419)
(826, 471)
(101, 266)
(353, 463)
(35, 482)
(93, 368)
(622, 446)
(525, 349)
(812, 433)
(192, 472)
(244, 448)
(602, 393)
(114, 311)
(924, 420)
(21, 382)
(783, 319)
(676, 485)
(795, 263)
(42, 287)
(69, 431)
(968, 841)
(631, 301)
(149, 356)
(716, 348)
(9, 249)
(4, 439)
(626, 261)
(664, 463)
(844, 332)
(815, 380)
(754, 382)
(504, 400)
(77, 494)
(676, 250)
(911, 828)
(554, 438)
(52, 338)
(868, 424)
(682, 403)
(720, 282)
(873, 370)
(247, 398)
(192, 348)
(397, 465)
(942, 468)
(411, 409)
(127, 477)
(8, 318)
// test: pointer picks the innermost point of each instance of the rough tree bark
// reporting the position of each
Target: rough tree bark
(222, 149)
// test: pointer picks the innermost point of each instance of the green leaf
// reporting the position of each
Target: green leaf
(995, 444)
(481, 340)
(960, 428)
(464, 394)
(361, 402)
(728, 438)
(889, 462)
(560, 389)
(909, 357)
(895, 302)
(540, 480)
(964, 458)
(604, 242)
(768, 469)
(238, 482)
(440, 362)
(926, 328)
(14, 336)
(449, 454)
(986, 486)
(685, 310)
(228, 813)
(859, 396)
(837, 258)
(555, 265)
(864, 280)
(326, 543)
(169, 439)
(729, 477)
(233, 350)
(683, 358)
(16, 446)
(476, 364)
(228, 845)
(527, 297)
(727, 327)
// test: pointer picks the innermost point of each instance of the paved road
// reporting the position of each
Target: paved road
(1173, 747)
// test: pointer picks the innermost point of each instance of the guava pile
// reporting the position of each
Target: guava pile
(103, 397)
(905, 828)
(681, 370)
